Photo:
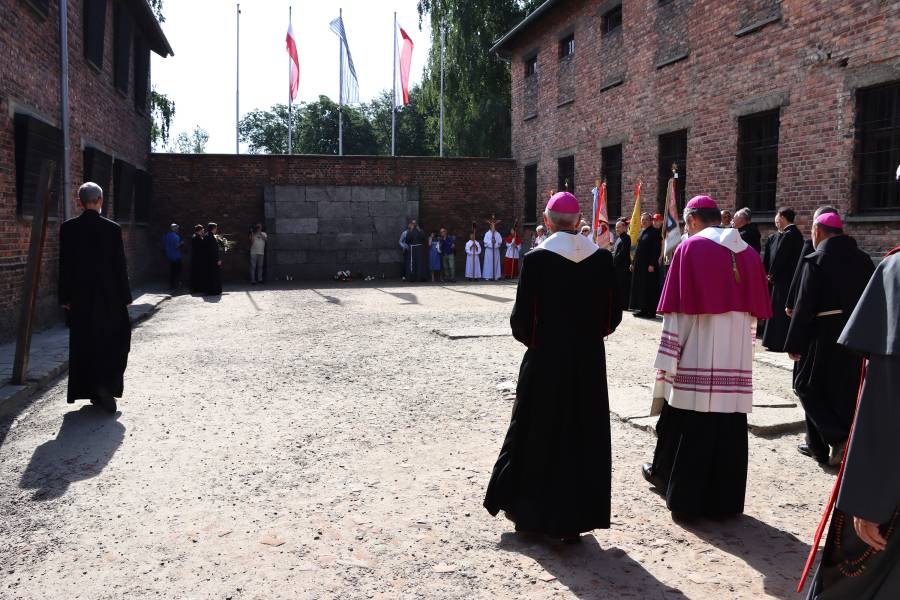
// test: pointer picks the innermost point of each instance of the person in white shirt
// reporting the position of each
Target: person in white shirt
(258, 239)
(473, 266)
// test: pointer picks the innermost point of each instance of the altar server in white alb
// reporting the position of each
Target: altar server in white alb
(715, 291)
(473, 262)
(492, 242)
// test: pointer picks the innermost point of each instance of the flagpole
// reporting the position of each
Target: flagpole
(394, 106)
(237, 86)
(290, 99)
(341, 90)
(441, 143)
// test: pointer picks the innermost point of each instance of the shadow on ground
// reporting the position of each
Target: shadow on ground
(589, 571)
(86, 442)
(406, 297)
(490, 297)
(775, 554)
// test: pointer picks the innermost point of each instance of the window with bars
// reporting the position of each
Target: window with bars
(530, 209)
(611, 170)
(122, 32)
(672, 150)
(530, 66)
(611, 20)
(97, 167)
(567, 46)
(878, 149)
(123, 190)
(757, 161)
(94, 31)
(565, 168)
(35, 142)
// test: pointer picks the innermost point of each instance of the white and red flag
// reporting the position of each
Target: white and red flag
(402, 60)
(600, 222)
(294, 71)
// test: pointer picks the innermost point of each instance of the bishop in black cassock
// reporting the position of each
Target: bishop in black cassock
(861, 560)
(645, 277)
(94, 291)
(553, 475)
(827, 376)
(622, 262)
(780, 260)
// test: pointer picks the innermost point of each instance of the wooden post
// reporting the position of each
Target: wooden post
(33, 271)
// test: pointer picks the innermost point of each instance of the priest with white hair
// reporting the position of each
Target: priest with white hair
(553, 474)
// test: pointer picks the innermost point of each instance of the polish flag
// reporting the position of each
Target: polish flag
(294, 72)
(402, 58)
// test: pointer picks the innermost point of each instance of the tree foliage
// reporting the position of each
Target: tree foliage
(191, 143)
(156, 7)
(162, 111)
(476, 81)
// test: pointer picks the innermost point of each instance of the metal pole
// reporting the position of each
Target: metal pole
(441, 143)
(290, 100)
(237, 86)
(64, 103)
(341, 88)
(394, 106)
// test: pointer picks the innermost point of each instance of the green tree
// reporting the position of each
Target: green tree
(156, 7)
(476, 81)
(191, 143)
(415, 134)
(162, 111)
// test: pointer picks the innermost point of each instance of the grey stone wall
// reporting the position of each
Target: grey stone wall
(315, 231)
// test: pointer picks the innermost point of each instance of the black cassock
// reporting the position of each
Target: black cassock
(212, 273)
(418, 264)
(198, 264)
(870, 488)
(827, 376)
(553, 474)
(93, 281)
(781, 263)
(622, 264)
(750, 234)
(644, 284)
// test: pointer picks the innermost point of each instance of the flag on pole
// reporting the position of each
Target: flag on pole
(634, 227)
(600, 221)
(402, 60)
(349, 83)
(294, 71)
(672, 228)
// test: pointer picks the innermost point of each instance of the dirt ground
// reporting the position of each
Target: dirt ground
(326, 443)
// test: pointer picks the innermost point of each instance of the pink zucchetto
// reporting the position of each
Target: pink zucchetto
(702, 202)
(830, 220)
(564, 202)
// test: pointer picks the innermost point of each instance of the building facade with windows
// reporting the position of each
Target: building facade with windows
(108, 61)
(759, 103)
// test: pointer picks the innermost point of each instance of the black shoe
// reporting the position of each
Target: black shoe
(647, 472)
(805, 450)
(108, 403)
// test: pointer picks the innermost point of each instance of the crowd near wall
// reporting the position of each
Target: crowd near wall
(761, 103)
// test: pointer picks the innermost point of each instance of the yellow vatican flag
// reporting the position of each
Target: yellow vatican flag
(634, 227)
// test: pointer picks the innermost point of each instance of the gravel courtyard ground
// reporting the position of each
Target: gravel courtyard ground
(327, 443)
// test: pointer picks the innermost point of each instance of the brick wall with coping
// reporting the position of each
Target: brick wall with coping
(806, 57)
(229, 190)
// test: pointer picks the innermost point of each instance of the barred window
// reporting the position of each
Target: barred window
(878, 148)
(757, 160)
(672, 150)
(567, 46)
(530, 66)
(565, 167)
(611, 170)
(35, 142)
(97, 167)
(123, 190)
(611, 20)
(530, 208)
(94, 31)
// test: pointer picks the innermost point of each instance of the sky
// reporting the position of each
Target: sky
(200, 77)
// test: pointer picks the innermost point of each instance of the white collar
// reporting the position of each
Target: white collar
(572, 246)
(728, 237)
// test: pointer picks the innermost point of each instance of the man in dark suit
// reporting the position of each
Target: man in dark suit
(780, 260)
(622, 263)
(742, 221)
(94, 291)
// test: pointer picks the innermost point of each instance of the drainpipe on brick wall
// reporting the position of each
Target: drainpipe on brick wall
(64, 102)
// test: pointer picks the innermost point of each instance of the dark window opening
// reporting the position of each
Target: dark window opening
(123, 190)
(672, 149)
(141, 73)
(612, 20)
(878, 148)
(757, 161)
(530, 212)
(41, 7)
(530, 66)
(35, 142)
(94, 31)
(122, 30)
(143, 195)
(567, 46)
(566, 174)
(97, 167)
(611, 171)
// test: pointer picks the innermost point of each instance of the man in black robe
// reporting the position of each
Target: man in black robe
(748, 230)
(213, 261)
(861, 559)
(780, 261)
(418, 266)
(622, 262)
(827, 376)
(645, 278)
(94, 291)
(198, 264)
(553, 475)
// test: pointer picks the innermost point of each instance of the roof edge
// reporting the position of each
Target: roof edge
(151, 28)
(499, 45)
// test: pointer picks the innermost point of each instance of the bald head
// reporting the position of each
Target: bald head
(90, 195)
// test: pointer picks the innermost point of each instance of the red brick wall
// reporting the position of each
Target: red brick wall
(99, 116)
(809, 62)
(228, 189)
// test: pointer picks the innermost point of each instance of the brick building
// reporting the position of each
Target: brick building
(760, 103)
(107, 56)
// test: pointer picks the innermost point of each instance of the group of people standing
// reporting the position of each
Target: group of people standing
(552, 475)
(206, 259)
